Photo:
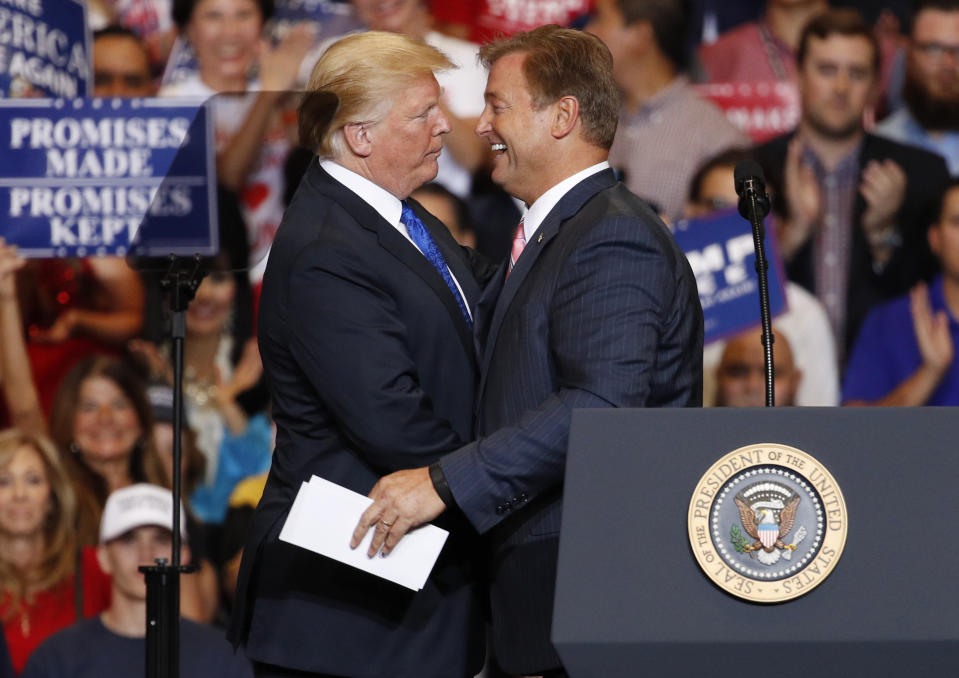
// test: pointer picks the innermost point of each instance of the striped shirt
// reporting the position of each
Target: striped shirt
(660, 146)
(832, 242)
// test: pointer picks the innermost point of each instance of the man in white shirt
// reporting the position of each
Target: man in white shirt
(365, 330)
(596, 307)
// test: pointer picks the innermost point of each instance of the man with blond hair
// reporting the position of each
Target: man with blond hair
(365, 330)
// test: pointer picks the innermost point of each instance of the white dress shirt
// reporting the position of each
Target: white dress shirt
(538, 210)
(385, 203)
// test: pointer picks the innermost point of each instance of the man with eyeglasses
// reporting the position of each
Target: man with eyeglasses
(121, 64)
(930, 118)
(852, 206)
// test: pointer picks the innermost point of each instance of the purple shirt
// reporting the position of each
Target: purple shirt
(886, 352)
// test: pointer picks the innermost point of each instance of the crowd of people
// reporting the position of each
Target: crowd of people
(865, 214)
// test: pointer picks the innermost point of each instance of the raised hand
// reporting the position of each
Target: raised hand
(279, 65)
(10, 263)
(932, 332)
(803, 201)
(883, 187)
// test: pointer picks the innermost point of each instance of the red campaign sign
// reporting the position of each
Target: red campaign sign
(762, 110)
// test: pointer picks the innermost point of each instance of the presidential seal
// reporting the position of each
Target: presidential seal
(767, 523)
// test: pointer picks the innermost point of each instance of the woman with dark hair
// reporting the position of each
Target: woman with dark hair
(102, 417)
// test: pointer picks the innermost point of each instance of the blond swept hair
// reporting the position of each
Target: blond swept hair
(56, 563)
(366, 72)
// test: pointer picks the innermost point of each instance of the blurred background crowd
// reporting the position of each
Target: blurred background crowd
(852, 109)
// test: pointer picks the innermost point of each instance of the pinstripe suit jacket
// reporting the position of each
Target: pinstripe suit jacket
(601, 310)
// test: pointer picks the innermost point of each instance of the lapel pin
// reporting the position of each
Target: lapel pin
(540, 238)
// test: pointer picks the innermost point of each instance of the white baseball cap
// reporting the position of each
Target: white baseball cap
(136, 506)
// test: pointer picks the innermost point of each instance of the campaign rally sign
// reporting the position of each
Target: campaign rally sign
(720, 251)
(762, 110)
(89, 176)
(44, 49)
(330, 18)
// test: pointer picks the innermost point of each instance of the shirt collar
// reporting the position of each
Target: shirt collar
(545, 203)
(849, 162)
(385, 203)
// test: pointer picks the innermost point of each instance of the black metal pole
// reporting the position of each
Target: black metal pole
(762, 269)
(163, 581)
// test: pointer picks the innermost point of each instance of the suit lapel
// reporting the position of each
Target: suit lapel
(390, 239)
(568, 206)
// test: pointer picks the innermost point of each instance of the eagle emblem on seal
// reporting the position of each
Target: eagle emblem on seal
(767, 511)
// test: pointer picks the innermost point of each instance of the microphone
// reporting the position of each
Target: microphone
(751, 189)
(754, 206)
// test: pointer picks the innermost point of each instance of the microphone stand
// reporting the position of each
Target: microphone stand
(754, 206)
(181, 280)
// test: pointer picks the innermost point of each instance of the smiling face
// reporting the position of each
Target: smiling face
(406, 144)
(517, 132)
(836, 82)
(25, 495)
(105, 425)
(225, 35)
(210, 309)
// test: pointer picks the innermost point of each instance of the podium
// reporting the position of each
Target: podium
(631, 599)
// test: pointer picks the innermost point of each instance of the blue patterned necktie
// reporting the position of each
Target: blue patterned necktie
(424, 241)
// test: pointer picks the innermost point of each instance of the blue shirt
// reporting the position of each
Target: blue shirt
(886, 352)
(902, 127)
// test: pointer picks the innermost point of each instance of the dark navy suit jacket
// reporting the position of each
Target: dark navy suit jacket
(601, 310)
(371, 369)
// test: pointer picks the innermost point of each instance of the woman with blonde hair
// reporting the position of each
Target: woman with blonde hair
(44, 584)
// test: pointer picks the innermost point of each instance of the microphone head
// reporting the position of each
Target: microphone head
(748, 169)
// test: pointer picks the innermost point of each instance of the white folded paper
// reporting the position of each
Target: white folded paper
(322, 520)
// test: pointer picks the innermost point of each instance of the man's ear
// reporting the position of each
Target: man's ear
(359, 138)
(565, 117)
(103, 559)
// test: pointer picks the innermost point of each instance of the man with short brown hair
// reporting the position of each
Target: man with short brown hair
(852, 205)
(596, 307)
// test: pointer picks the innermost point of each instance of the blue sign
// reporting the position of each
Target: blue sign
(44, 49)
(720, 251)
(330, 18)
(98, 176)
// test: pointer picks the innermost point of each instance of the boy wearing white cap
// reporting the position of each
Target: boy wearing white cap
(135, 530)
